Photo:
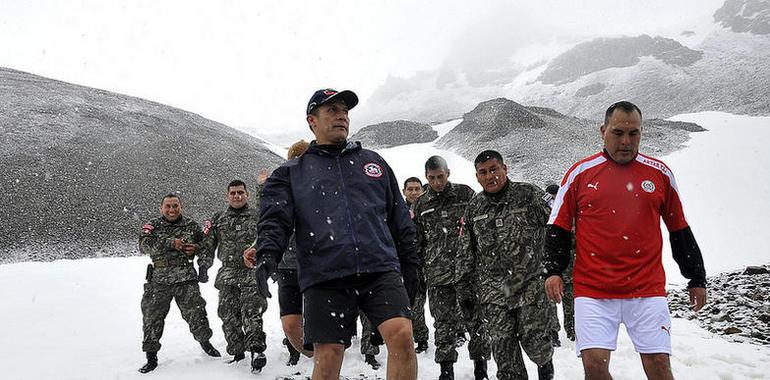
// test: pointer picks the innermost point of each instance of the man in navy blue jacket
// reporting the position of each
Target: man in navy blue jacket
(355, 240)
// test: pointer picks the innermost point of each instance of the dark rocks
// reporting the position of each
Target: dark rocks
(84, 168)
(753, 269)
(736, 306)
(394, 133)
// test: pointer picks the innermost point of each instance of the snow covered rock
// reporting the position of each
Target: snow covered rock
(738, 305)
(394, 133)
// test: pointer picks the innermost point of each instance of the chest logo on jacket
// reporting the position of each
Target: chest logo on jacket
(648, 186)
(373, 170)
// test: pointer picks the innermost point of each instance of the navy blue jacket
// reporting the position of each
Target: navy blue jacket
(347, 212)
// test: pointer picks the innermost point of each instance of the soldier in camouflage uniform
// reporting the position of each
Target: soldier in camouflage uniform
(437, 215)
(412, 190)
(504, 226)
(568, 300)
(172, 241)
(229, 233)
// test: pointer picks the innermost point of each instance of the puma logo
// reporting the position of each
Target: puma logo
(666, 329)
(594, 186)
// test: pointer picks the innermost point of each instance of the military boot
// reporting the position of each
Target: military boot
(237, 357)
(209, 349)
(422, 346)
(447, 371)
(293, 353)
(480, 370)
(258, 361)
(545, 371)
(152, 362)
(372, 361)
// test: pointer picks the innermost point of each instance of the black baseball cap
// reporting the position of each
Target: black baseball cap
(552, 189)
(325, 95)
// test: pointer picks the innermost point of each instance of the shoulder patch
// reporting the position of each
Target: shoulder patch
(147, 228)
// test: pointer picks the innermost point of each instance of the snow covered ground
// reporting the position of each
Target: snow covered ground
(80, 319)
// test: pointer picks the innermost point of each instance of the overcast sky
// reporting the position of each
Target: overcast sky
(254, 64)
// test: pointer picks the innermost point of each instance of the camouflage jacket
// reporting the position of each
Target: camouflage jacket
(437, 217)
(229, 233)
(505, 233)
(157, 241)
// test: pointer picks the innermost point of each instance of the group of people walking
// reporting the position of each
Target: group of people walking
(332, 227)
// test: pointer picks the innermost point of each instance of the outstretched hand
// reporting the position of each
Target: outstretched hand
(554, 288)
(250, 257)
(697, 298)
(262, 176)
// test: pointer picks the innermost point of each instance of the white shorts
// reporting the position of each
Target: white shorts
(647, 321)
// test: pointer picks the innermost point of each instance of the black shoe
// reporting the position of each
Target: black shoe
(293, 353)
(422, 346)
(210, 350)
(237, 358)
(480, 370)
(152, 362)
(258, 362)
(555, 340)
(461, 339)
(447, 371)
(545, 371)
(372, 361)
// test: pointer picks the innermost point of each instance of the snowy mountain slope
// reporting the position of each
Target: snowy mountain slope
(83, 168)
(717, 63)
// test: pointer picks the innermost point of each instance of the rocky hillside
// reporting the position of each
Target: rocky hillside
(751, 16)
(738, 305)
(82, 169)
(538, 143)
(394, 133)
(605, 53)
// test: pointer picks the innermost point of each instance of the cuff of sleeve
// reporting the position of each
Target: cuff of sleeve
(696, 283)
(552, 272)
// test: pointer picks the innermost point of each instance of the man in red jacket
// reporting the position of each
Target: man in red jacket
(615, 200)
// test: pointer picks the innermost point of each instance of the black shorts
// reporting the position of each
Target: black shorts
(289, 295)
(331, 308)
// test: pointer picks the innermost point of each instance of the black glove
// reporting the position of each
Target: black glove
(375, 338)
(203, 275)
(265, 268)
(411, 281)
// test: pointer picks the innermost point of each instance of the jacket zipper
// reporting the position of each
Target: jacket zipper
(350, 217)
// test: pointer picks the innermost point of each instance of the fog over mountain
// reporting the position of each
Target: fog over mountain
(717, 65)
(83, 169)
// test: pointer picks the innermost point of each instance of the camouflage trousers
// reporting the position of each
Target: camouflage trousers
(156, 302)
(568, 306)
(526, 326)
(367, 348)
(448, 320)
(419, 328)
(241, 309)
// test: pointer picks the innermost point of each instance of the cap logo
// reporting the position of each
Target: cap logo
(373, 170)
(329, 92)
(648, 186)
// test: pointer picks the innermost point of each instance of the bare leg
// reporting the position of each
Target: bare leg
(657, 366)
(402, 360)
(596, 363)
(328, 361)
(292, 327)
